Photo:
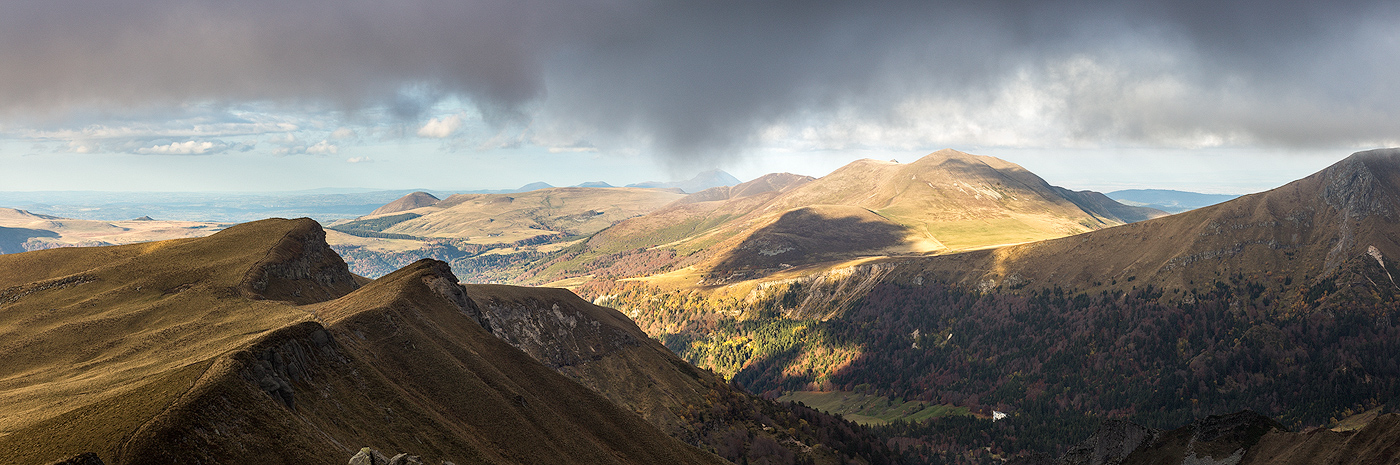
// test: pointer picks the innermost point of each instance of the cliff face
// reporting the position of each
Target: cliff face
(301, 268)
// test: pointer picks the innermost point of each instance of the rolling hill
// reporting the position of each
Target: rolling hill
(1336, 228)
(257, 344)
(946, 202)
(22, 231)
(417, 199)
(497, 229)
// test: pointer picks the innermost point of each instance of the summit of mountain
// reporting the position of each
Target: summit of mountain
(945, 202)
(257, 344)
(1282, 302)
(1335, 226)
(963, 200)
(411, 201)
(534, 186)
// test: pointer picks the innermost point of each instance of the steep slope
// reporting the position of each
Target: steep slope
(604, 350)
(195, 351)
(116, 331)
(408, 202)
(1335, 228)
(1281, 302)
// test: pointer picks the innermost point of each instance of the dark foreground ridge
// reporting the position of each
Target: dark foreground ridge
(1243, 438)
(253, 346)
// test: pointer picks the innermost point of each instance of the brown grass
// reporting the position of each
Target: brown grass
(148, 353)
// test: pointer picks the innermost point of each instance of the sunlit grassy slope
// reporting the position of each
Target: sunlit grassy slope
(254, 345)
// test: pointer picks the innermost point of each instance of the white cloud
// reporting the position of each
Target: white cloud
(184, 148)
(344, 133)
(440, 128)
(323, 148)
(81, 146)
(359, 160)
(572, 149)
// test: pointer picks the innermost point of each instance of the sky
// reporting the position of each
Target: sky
(259, 95)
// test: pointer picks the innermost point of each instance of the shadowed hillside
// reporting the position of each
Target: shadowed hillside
(1282, 302)
(196, 350)
(945, 202)
(1336, 229)
(604, 350)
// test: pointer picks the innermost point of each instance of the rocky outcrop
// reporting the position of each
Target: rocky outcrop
(441, 280)
(554, 326)
(85, 458)
(1112, 443)
(277, 367)
(1214, 440)
(368, 456)
(300, 268)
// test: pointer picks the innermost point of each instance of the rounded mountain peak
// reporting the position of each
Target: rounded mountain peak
(408, 202)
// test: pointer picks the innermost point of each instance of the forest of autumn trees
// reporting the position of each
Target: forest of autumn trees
(1059, 361)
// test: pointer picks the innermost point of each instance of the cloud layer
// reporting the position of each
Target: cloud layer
(705, 79)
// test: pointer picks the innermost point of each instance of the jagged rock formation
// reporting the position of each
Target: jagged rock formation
(1112, 443)
(301, 268)
(368, 456)
(85, 458)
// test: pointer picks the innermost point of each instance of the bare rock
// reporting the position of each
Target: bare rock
(85, 458)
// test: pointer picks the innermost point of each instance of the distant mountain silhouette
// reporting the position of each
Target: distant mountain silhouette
(702, 181)
(534, 186)
(1169, 201)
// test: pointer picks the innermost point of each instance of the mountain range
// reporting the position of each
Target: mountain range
(258, 344)
(1281, 302)
(946, 202)
(1170, 201)
(960, 307)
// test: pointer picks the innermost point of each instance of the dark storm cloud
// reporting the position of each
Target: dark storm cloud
(705, 77)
